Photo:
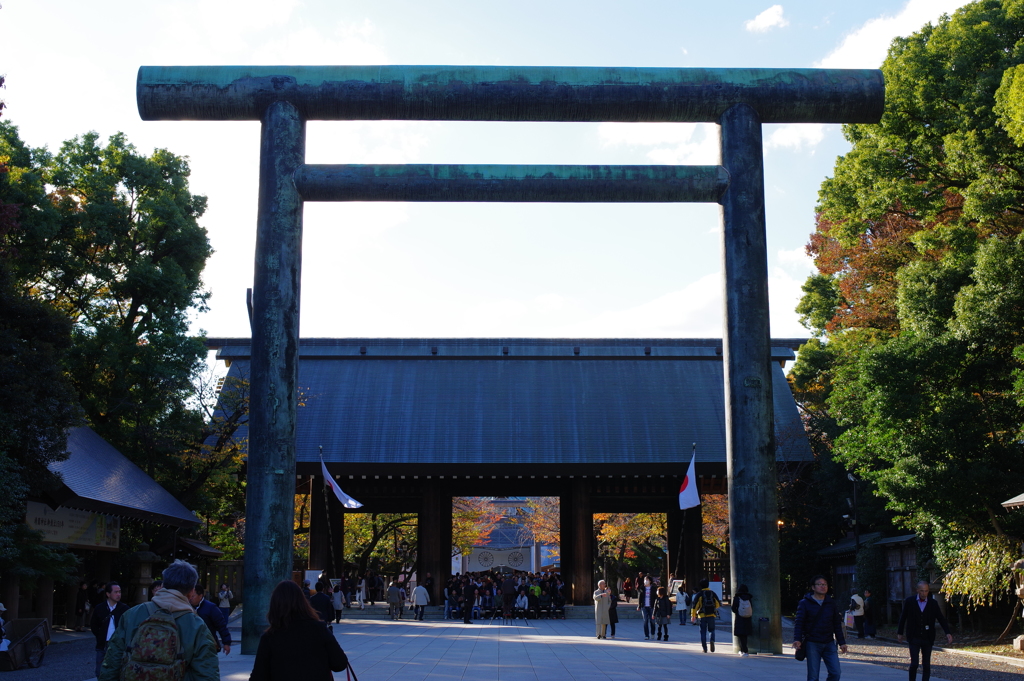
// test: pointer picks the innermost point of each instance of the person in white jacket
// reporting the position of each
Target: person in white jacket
(857, 608)
(420, 601)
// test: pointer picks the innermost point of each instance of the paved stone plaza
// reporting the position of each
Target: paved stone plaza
(549, 650)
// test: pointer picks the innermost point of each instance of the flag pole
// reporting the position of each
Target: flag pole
(682, 525)
(327, 510)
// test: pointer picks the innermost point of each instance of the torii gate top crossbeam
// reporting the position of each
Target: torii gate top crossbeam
(510, 93)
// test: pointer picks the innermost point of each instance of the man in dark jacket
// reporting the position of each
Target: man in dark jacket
(468, 599)
(214, 618)
(920, 613)
(818, 628)
(105, 618)
(321, 602)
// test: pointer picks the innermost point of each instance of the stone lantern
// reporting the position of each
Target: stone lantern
(143, 579)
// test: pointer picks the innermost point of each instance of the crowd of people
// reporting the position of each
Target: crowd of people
(305, 614)
(515, 595)
(469, 597)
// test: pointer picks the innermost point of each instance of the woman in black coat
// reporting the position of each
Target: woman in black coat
(613, 611)
(297, 645)
(742, 627)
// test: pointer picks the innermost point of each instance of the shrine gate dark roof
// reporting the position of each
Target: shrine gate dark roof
(376, 403)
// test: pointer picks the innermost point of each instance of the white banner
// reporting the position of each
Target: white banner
(81, 529)
(487, 559)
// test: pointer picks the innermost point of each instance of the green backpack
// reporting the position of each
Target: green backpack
(156, 652)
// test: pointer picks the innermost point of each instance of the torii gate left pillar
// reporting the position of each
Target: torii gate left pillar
(283, 98)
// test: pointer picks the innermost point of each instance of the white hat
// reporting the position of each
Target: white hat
(2, 608)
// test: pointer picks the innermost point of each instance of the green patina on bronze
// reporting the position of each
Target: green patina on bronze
(512, 183)
(510, 93)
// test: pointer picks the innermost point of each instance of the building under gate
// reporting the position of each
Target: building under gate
(606, 425)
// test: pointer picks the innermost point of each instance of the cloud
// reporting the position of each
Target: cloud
(767, 20)
(795, 259)
(796, 136)
(672, 143)
(866, 47)
(693, 312)
(367, 141)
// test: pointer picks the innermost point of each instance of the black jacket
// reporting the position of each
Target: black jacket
(662, 606)
(741, 626)
(321, 602)
(215, 622)
(920, 626)
(100, 621)
(306, 650)
(818, 622)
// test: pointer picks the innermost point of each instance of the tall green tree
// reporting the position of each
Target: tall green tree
(110, 238)
(920, 283)
(37, 401)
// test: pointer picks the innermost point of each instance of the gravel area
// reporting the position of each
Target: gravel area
(948, 666)
(64, 661)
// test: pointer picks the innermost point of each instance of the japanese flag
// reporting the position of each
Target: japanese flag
(346, 500)
(688, 497)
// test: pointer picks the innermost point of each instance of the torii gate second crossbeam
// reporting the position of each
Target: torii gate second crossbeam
(285, 97)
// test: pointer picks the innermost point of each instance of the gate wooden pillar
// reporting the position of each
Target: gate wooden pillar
(434, 533)
(445, 537)
(581, 519)
(566, 539)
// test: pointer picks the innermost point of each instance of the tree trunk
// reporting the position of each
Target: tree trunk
(1009, 626)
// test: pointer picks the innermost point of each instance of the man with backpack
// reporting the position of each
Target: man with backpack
(164, 638)
(705, 610)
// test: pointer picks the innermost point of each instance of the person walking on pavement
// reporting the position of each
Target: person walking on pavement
(645, 597)
(212, 617)
(297, 644)
(818, 628)
(197, 649)
(743, 617)
(705, 610)
(682, 603)
(920, 613)
(105, 618)
(662, 613)
(420, 601)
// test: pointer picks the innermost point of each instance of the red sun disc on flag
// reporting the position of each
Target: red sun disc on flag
(686, 483)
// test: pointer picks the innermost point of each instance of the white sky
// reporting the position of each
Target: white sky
(514, 270)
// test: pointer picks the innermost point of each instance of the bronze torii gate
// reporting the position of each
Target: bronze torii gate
(285, 97)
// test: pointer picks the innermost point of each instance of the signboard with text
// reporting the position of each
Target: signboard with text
(80, 529)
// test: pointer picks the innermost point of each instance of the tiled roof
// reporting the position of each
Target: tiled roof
(99, 478)
(518, 401)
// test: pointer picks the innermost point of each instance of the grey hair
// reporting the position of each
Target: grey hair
(180, 576)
